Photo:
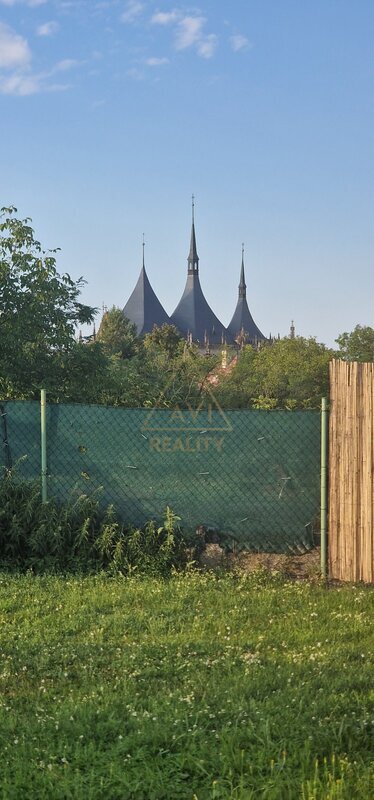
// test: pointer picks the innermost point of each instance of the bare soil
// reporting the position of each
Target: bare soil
(298, 566)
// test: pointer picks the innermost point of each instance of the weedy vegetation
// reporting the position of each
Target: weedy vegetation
(199, 687)
(81, 536)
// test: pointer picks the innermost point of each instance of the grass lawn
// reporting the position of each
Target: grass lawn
(198, 687)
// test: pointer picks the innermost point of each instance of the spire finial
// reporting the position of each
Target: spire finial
(143, 245)
(193, 258)
(242, 284)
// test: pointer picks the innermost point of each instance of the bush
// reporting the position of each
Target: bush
(81, 537)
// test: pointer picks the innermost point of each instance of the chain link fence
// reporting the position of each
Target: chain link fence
(252, 476)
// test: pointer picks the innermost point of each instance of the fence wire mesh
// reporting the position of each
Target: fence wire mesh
(253, 476)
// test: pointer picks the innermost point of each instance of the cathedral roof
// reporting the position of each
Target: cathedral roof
(242, 321)
(143, 307)
(193, 314)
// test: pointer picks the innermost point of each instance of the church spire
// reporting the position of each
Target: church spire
(193, 316)
(193, 258)
(143, 307)
(242, 284)
(242, 327)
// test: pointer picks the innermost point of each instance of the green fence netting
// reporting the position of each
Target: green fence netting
(251, 475)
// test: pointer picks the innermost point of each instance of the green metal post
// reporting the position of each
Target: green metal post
(43, 441)
(324, 421)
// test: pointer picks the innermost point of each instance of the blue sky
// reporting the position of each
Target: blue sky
(113, 113)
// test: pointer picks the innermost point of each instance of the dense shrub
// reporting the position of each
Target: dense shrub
(81, 537)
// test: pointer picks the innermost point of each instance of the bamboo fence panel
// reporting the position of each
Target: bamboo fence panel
(351, 471)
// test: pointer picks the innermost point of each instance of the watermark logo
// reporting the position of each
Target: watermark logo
(188, 429)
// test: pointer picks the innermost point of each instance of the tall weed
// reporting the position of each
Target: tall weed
(81, 537)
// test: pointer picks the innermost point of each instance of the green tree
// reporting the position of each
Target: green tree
(117, 334)
(84, 375)
(39, 311)
(290, 373)
(164, 338)
(357, 345)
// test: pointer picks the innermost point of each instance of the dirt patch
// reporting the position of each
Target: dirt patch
(304, 565)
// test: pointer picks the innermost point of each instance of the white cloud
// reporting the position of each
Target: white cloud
(21, 80)
(239, 42)
(206, 47)
(24, 84)
(165, 17)
(20, 85)
(30, 3)
(135, 74)
(47, 29)
(156, 62)
(56, 87)
(14, 49)
(64, 65)
(189, 32)
(133, 10)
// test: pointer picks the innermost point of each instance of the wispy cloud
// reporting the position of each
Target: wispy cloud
(206, 47)
(20, 85)
(30, 3)
(16, 74)
(239, 42)
(14, 49)
(156, 62)
(135, 73)
(47, 29)
(15, 64)
(132, 12)
(189, 31)
(165, 17)
(64, 65)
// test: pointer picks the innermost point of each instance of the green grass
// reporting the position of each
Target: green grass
(198, 687)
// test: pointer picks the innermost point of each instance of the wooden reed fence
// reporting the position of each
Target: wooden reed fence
(351, 471)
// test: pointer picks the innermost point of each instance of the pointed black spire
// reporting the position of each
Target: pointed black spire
(193, 315)
(242, 284)
(242, 327)
(193, 258)
(143, 306)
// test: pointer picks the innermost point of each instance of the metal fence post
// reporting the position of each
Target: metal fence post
(324, 421)
(43, 442)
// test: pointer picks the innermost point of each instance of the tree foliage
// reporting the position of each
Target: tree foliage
(39, 310)
(357, 345)
(290, 373)
(164, 338)
(117, 334)
(152, 377)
